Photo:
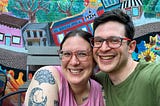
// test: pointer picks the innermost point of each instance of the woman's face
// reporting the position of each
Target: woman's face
(77, 68)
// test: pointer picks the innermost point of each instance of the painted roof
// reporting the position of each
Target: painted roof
(37, 25)
(13, 59)
(12, 21)
(146, 28)
(131, 3)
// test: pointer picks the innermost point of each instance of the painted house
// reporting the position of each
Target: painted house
(11, 30)
(132, 8)
(37, 34)
(83, 21)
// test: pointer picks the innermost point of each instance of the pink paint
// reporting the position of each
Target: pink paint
(9, 30)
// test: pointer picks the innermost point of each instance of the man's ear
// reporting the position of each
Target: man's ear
(132, 46)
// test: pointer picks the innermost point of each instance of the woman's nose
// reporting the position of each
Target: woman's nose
(74, 60)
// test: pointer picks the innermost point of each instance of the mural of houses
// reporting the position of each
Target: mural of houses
(132, 8)
(17, 33)
(83, 21)
(11, 30)
(37, 34)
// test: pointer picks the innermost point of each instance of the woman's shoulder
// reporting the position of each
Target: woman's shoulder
(48, 69)
(95, 84)
(45, 79)
(48, 72)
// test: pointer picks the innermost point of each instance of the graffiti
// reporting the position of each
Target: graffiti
(26, 23)
(13, 84)
(150, 51)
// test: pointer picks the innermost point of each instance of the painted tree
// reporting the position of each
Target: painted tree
(31, 7)
(149, 10)
(55, 14)
(65, 7)
(145, 2)
(157, 9)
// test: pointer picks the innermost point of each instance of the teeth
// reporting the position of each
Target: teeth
(75, 71)
(106, 57)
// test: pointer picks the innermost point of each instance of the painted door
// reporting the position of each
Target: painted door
(8, 40)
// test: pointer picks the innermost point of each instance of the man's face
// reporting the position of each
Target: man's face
(111, 59)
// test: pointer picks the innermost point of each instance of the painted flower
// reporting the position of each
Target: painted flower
(147, 55)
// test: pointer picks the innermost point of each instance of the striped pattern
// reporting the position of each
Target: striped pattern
(131, 3)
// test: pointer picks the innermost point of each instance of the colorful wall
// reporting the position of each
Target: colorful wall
(45, 23)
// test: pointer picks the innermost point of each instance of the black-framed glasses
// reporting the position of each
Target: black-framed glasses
(81, 55)
(112, 42)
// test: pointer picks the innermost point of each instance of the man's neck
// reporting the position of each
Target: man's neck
(122, 74)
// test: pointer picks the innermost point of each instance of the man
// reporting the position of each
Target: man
(125, 81)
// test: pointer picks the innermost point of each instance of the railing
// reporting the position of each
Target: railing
(42, 55)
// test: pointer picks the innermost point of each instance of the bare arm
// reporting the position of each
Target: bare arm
(43, 89)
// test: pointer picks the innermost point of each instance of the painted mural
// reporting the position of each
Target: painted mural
(25, 23)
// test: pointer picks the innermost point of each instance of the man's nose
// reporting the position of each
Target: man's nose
(105, 46)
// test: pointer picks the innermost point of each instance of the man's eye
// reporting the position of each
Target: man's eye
(114, 40)
(98, 40)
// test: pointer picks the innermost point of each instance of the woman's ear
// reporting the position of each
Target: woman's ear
(132, 46)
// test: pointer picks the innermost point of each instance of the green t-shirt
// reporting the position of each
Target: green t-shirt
(141, 88)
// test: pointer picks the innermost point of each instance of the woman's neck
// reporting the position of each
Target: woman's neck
(80, 92)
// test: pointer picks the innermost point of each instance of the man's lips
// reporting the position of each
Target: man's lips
(106, 57)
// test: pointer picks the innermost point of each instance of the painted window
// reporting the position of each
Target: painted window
(16, 39)
(1, 36)
(135, 11)
(28, 33)
(60, 37)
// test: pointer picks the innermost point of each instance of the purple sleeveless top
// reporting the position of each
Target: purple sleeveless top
(66, 97)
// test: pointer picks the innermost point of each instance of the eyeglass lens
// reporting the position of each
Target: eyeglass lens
(82, 55)
(112, 42)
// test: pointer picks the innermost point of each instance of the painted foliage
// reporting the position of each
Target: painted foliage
(26, 23)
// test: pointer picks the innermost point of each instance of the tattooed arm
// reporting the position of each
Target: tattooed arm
(44, 87)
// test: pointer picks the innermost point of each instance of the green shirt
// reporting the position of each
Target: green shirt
(141, 88)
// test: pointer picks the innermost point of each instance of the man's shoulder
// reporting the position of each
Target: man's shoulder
(149, 64)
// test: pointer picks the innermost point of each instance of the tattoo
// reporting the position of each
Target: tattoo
(56, 103)
(44, 76)
(36, 97)
(85, 98)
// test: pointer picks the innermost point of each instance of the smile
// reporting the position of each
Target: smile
(75, 71)
(108, 57)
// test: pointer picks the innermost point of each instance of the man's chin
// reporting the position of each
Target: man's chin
(102, 67)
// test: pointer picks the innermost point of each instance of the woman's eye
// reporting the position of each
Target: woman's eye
(82, 54)
(67, 54)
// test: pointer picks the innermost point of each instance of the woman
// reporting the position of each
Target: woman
(70, 84)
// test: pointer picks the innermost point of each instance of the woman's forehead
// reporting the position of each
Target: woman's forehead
(76, 42)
